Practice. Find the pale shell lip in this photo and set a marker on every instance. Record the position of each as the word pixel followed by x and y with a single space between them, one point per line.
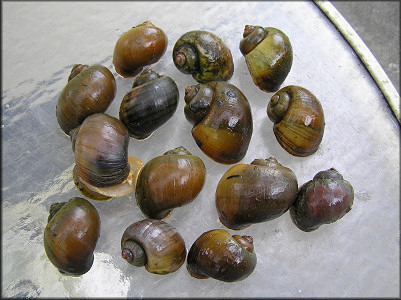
pixel 124 188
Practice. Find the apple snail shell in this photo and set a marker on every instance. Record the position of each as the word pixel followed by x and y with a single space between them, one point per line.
pixel 298 120
pixel 254 193
pixel 154 244
pixel 221 118
pixel 323 200
pixel 203 55
pixel 169 181
pixel 217 254
pixel 71 235
pixel 152 102
pixel 140 46
pixel 268 55
pixel 101 157
pixel 89 90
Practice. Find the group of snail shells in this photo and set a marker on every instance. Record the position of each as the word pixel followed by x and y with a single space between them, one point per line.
pixel 264 190
pixel 222 128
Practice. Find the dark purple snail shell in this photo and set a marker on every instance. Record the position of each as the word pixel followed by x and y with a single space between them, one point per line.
pixel 323 200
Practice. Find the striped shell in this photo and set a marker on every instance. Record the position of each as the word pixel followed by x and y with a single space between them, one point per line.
pixel 154 244
pixel 168 181
pixel 298 120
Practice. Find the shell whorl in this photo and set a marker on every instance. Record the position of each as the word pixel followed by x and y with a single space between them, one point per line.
pixel 278 106
pixel 162 244
pixel 199 100
pixel 203 55
pixel 253 35
pixel 298 129
pixel 186 59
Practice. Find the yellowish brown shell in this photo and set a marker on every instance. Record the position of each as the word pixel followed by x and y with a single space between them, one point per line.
pixel 169 181
pixel 298 120
pixel 221 118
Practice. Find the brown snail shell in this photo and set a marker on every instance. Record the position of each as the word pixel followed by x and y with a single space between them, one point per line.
pixel 71 235
pixel 203 55
pixel 298 120
pixel 323 200
pixel 268 55
pixel 154 244
pixel 219 255
pixel 169 181
pixel 140 46
pixel 89 90
pixel 151 102
pixel 221 118
pixel 101 157
pixel 254 193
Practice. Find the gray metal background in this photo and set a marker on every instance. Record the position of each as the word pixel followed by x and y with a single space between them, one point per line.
pixel 356 256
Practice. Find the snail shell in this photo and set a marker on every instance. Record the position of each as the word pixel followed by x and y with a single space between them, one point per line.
pixel 89 90
pixel 203 55
pixel 221 118
pixel 168 181
pixel 298 120
pixel 254 193
pixel 71 235
pixel 323 200
pixel 140 46
pixel 268 55
pixel 108 192
pixel 152 101
pixel 219 255
pixel 101 157
pixel 154 244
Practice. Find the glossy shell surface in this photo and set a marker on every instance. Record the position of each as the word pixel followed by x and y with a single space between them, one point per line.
pixel 89 90
pixel 268 55
pixel 101 151
pixel 298 120
pixel 169 181
pixel 140 46
pixel 254 193
pixel 222 120
pixel 149 105
pixel 323 200
pixel 163 245
pixel 219 255
pixel 71 235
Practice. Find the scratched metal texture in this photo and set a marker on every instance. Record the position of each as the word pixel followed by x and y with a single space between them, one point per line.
pixel 356 256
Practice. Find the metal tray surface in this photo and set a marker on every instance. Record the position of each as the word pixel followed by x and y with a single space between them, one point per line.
pixel 355 256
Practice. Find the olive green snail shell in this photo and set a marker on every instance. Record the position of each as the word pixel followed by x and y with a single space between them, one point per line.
pixel 268 55
pixel 298 120
pixel 203 55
